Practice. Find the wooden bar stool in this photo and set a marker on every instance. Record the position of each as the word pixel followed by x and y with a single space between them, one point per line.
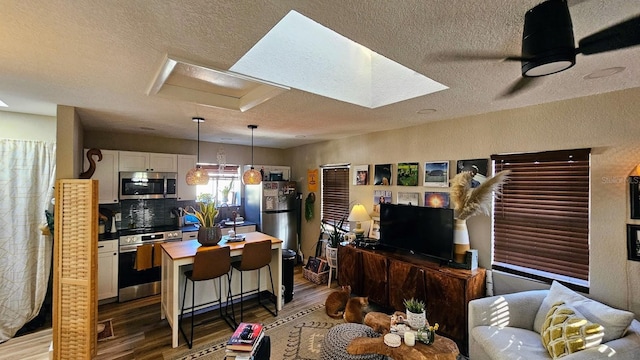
pixel 255 256
pixel 208 264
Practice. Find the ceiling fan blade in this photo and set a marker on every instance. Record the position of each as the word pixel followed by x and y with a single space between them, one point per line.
pixel 619 36
pixel 476 56
pixel 518 86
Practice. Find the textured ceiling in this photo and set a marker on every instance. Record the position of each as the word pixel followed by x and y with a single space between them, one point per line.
pixel 102 56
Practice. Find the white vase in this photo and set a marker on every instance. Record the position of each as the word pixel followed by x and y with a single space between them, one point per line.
pixel 460 240
pixel 416 320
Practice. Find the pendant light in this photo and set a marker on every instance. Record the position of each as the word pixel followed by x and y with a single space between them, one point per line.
pixel 197 175
pixel 252 176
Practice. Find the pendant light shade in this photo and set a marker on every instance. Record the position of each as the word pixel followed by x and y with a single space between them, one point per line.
pixel 197 175
pixel 252 176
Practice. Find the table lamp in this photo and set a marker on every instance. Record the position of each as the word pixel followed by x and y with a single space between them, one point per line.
pixel 358 214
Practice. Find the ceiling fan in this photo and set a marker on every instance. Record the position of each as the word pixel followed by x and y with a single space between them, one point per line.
pixel 548 45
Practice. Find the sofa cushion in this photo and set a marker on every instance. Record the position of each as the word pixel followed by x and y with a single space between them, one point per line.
pixel 565 331
pixel 508 343
pixel 614 321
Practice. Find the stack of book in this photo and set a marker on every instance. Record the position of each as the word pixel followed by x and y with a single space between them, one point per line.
pixel 245 341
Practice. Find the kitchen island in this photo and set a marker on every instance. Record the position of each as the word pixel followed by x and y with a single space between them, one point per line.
pixel 177 257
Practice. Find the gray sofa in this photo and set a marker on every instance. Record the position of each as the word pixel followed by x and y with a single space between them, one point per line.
pixel 508 327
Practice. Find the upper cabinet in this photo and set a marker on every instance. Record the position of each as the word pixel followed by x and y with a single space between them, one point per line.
pixel 271 172
pixel 107 175
pixel 185 163
pixel 142 161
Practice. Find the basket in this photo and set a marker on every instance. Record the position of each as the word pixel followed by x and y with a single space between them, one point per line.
pixel 316 278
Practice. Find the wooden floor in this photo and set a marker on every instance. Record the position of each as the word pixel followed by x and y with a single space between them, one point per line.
pixel 140 334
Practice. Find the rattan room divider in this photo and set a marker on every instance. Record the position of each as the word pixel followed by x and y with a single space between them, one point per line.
pixel 75 310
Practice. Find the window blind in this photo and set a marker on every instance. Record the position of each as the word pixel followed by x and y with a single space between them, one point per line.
pixel 541 220
pixel 335 193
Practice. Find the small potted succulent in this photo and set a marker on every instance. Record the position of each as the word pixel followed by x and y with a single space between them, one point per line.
pixel 416 314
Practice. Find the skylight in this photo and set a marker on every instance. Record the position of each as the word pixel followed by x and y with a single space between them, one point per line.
pixel 300 53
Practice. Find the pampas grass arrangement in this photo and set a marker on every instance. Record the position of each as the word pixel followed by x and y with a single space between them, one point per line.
pixel 468 201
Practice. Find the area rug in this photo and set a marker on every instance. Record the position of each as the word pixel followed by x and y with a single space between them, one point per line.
pixel 295 337
pixel 107 332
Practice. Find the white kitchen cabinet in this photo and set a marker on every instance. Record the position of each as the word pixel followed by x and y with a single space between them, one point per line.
pixel 107 269
pixel 185 163
pixel 143 161
pixel 107 175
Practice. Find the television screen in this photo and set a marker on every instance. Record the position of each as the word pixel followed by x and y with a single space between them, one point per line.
pixel 422 230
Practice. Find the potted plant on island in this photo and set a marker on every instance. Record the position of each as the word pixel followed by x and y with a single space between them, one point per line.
pixel 416 314
pixel 209 233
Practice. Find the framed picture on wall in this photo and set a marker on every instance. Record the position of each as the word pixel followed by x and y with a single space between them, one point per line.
pixel 436 173
pixel 408 174
pixel 382 174
pixel 409 198
pixel 436 199
pixel 361 175
pixel 478 167
pixel 633 242
pixel 634 196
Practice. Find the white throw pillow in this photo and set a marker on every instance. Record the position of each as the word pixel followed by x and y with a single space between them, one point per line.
pixel 614 321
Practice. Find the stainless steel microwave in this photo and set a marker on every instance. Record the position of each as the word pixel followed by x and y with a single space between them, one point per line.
pixel 147 185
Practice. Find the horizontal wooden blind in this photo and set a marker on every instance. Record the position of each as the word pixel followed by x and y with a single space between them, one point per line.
pixel 335 193
pixel 541 220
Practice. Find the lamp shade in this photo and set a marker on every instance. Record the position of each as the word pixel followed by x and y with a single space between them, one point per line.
pixel 358 213
pixel 252 177
pixel 197 176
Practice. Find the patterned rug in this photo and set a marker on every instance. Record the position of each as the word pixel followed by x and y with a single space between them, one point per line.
pixel 296 337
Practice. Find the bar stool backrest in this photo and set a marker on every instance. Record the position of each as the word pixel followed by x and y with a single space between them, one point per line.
pixel 210 263
pixel 255 255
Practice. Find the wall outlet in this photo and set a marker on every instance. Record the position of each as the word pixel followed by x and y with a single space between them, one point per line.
pixel 118 216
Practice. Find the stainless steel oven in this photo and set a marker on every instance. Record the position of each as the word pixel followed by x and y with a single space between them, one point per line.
pixel 135 281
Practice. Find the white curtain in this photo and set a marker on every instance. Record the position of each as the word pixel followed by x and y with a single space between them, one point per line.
pixel 27 177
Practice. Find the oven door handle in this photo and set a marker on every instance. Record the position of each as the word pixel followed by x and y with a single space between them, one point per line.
pixel 129 248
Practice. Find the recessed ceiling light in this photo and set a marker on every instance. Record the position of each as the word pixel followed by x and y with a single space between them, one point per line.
pixel 2 104
pixel 604 72
pixel 426 111
pixel 147 128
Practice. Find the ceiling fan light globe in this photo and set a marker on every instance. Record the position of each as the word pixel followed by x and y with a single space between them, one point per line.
pixel 536 68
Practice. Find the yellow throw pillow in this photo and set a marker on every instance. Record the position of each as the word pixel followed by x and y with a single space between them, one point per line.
pixel 566 331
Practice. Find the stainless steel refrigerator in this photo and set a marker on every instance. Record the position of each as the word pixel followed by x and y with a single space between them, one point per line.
pixel 273 207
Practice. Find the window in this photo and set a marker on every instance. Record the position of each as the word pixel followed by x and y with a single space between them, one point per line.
pixel 541 220
pixel 224 185
pixel 335 194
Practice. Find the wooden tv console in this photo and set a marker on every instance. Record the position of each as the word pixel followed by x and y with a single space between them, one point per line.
pixel 389 277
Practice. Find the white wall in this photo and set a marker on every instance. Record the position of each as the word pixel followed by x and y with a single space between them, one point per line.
pixel 606 123
pixel 18 126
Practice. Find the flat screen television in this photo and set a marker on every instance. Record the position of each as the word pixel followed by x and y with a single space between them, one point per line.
pixel 418 229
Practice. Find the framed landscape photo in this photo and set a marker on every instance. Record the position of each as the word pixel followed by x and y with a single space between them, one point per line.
pixel 633 242
pixel 382 175
pixel 436 199
pixel 436 173
pixel 477 167
pixel 409 198
pixel 361 175
pixel 408 174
